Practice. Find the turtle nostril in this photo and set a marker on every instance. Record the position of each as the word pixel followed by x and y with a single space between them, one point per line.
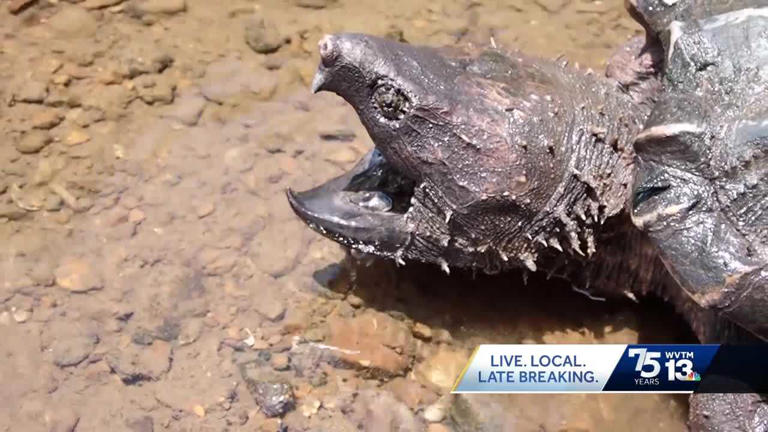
pixel 327 50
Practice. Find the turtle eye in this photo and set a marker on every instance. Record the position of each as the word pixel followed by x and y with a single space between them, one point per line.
pixel 391 101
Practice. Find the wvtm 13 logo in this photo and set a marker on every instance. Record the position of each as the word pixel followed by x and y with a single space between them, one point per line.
pixel 677 365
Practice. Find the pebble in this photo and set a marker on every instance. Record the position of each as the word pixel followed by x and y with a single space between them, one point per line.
pixel 422 331
pixel 552 6
pixel 280 362
pixel 62 420
pixel 99 4
pixel 46 119
pixel 141 424
pixel 315 4
pixel 190 331
pixel 342 156
pixel 86 116
pixel 205 209
pixel 76 137
pixel 441 369
pixel 310 407
pixel 155 90
pixel 277 262
pixel 186 109
pixel 72 351
pixel 32 142
pixel 167 7
pixel 20 315
pixel 435 413
pixel 31 91
pixel 269 302
pixel 263 37
pixel 230 80
pixel 355 301
pixel 16 6
pixel 136 216
pixel 199 410
pixel 410 392
pixel 274 398
pixel 239 159
pixel 78 275
pixel 73 21
pixel 136 363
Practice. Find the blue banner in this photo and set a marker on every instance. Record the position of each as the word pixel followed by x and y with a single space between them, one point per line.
pixel 615 368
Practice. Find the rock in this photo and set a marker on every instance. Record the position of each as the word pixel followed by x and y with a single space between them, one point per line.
pixel 231 80
pixel 198 410
pixel 263 37
pixel 355 301
pixel 99 4
pixel 143 60
pixel 239 159
pixel 435 413
pixel 552 6
pixel 442 368
pixel 341 135
pixel 73 22
pixel 267 297
pixel 422 331
pixel 280 362
pixel 186 109
pixel 166 7
pixel 275 398
pixel 315 4
pixel 190 331
pixel 62 420
pixel 410 392
pixel 31 91
pixel 342 156
pixel 278 261
pixel 16 6
pixel 84 117
pixel 135 363
pixel 20 315
pixel 72 351
pixel 481 413
pixel 76 137
pixel 141 424
pixel 32 142
pixel 375 410
pixel 217 262
pixel 372 341
pixel 46 119
pixel 78 275
pixel 205 209
pixel 167 331
pixel 155 90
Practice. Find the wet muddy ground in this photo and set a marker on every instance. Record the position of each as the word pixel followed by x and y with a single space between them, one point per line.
pixel 153 277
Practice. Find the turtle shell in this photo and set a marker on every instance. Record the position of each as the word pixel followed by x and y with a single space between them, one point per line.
pixel 701 190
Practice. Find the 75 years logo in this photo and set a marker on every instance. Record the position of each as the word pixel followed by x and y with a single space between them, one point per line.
pixel 678 365
pixel 667 368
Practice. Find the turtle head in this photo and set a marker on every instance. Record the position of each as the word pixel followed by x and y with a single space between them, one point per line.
pixel 465 156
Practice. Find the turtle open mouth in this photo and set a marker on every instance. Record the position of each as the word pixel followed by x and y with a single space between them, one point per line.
pixel 364 208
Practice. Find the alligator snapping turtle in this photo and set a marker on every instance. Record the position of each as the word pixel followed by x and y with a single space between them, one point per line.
pixel 492 160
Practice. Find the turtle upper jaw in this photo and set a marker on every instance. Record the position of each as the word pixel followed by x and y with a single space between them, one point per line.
pixel 365 208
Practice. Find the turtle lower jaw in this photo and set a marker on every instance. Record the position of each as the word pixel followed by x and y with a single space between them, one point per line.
pixel 364 209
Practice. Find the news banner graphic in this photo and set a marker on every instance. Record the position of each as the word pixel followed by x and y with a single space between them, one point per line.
pixel 615 369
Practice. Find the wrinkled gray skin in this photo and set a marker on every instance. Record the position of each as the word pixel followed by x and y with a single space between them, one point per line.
pixel 493 160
